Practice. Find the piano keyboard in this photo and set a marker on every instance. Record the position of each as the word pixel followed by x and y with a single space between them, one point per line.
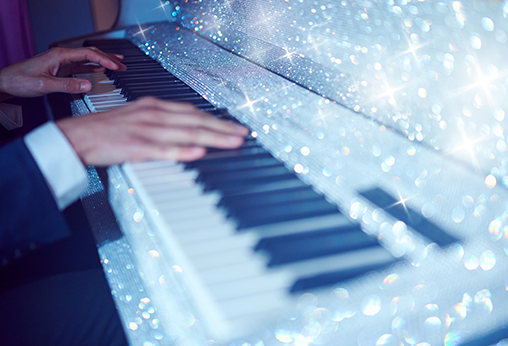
pixel 215 264
pixel 247 230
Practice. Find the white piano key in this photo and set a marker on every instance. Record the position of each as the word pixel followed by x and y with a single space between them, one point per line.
pixel 158 171
pixel 105 109
pixel 149 165
pixel 198 223
pixel 303 225
pixel 106 97
pixel 199 212
pixel 251 286
pixel 244 241
pixel 171 178
pixel 189 202
pixel 232 272
pixel 204 261
pixel 198 235
pixel 175 191
pixel 343 261
pixel 256 303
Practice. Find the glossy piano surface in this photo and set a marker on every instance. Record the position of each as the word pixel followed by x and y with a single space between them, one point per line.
pixel 407 141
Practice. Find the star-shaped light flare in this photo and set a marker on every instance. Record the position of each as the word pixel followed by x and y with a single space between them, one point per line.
pixel 249 104
pixel 468 146
pixel 413 47
pixel 162 6
pixel 141 30
pixel 389 93
pixel 483 82
pixel 403 202
pixel 322 117
pixel 288 55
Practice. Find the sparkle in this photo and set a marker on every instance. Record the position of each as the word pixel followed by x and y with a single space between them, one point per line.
pixel 468 146
pixel 483 81
pixel 250 104
pixel 141 30
pixel 322 117
pixel 389 93
pixel 413 47
pixel 162 6
pixel 289 55
pixel 403 202
pixel 355 86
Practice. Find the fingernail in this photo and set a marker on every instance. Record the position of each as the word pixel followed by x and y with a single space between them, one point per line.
pixel 84 86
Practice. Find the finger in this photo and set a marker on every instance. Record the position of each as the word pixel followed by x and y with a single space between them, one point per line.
pixel 189 136
pixel 87 69
pixel 118 57
pixel 92 54
pixel 177 153
pixel 66 85
pixel 187 115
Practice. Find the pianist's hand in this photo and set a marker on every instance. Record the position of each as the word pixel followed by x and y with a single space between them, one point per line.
pixel 46 73
pixel 149 129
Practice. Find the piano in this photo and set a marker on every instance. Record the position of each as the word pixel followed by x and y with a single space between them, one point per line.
pixel 368 206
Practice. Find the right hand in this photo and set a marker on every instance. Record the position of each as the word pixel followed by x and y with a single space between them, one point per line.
pixel 49 72
pixel 149 129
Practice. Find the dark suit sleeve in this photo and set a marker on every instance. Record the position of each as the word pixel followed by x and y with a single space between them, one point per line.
pixel 29 216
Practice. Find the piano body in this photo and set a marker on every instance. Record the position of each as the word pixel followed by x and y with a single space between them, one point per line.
pixel 374 187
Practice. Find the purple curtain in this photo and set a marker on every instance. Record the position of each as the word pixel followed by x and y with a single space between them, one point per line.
pixel 16 40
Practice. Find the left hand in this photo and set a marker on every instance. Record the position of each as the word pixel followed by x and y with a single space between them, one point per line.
pixel 48 72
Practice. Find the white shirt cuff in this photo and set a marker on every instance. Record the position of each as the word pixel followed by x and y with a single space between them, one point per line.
pixel 64 173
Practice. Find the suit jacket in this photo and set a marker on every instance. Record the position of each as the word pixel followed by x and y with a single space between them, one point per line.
pixel 29 216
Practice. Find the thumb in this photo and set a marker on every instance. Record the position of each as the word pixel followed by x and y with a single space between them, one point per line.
pixel 67 85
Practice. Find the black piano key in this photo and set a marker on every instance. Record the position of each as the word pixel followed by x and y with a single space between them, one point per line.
pixel 268 198
pixel 150 84
pixel 266 187
pixel 137 59
pixel 140 66
pixel 124 81
pixel 240 154
pixel 127 81
pixel 243 186
pixel 241 174
pixel 410 217
pixel 304 246
pixel 168 93
pixel 231 161
pixel 240 165
pixel 282 213
pixel 492 338
pixel 147 71
pixel 331 278
pixel 132 68
pixel 166 86
pixel 248 143
pixel 140 74
pixel 197 102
